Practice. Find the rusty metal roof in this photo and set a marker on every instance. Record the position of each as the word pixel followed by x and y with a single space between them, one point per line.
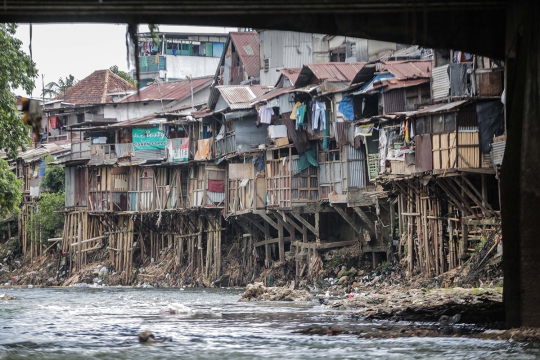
pixel 291 74
pixel 173 90
pixel 403 70
pixel 332 72
pixel 241 96
pixel 393 83
pixel 440 107
pixel 247 46
pixel 272 94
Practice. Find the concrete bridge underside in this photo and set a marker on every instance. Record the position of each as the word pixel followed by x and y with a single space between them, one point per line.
pixel 503 29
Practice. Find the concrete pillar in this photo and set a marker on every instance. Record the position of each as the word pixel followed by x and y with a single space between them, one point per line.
pixel 520 188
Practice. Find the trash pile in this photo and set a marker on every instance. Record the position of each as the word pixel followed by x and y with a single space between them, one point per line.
pixel 258 291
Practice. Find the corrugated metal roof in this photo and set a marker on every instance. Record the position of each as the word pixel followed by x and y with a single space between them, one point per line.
pixel 291 74
pixel 173 90
pixel 393 83
pixel 440 107
pixel 272 94
pixel 241 96
pixel 414 69
pixel 332 72
pixel 247 46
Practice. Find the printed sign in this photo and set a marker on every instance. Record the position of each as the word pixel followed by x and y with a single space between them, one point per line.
pixel 178 150
pixel 148 139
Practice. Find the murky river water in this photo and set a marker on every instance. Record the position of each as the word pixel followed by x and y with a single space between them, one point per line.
pixel 83 323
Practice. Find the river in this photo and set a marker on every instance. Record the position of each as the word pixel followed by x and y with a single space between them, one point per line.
pixel 103 323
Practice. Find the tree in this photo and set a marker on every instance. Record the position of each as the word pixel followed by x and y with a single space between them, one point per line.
pixel 48 221
pixel 10 190
pixel 54 179
pixel 18 70
pixel 55 89
pixel 124 75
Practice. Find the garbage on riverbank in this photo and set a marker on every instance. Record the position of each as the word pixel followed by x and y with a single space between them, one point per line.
pixel 258 291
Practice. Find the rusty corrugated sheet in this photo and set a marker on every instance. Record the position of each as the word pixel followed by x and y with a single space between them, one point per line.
pixel 173 90
pixel 423 155
pixel 273 94
pixel 403 70
pixel 241 96
pixel 247 46
pixel 298 137
pixel 331 72
pixel 291 74
pixel 393 83
pixel 394 101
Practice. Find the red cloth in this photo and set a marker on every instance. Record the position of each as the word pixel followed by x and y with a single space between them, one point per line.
pixel 55 122
pixel 216 186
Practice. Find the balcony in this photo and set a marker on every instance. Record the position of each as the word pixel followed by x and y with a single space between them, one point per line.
pixel 103 153
pixel 80 150
pixel 226 145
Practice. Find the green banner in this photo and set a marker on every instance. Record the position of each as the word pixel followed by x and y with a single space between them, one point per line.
pixel 148 139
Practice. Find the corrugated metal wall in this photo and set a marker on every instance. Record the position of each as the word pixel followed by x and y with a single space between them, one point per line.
pixel 356 166
pixel 440 83
pixel 248 135
pixel 394 101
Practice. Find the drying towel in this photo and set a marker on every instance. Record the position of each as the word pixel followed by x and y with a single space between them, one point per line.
pixel 217 186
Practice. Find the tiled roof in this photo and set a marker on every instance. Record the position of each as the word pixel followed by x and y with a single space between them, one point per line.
pixel 173 90
pixel 247 46
pixel 291 74
pixel 94 88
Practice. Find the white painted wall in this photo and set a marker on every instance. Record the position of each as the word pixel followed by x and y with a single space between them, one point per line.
pixel 131 111
pixel 136 110
pixel 178 67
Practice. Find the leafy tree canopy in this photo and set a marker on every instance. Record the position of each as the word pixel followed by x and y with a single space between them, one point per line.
pixel 10 190
pixel 54 179
pixel 47 221
pixel 124 75
pixel 18 70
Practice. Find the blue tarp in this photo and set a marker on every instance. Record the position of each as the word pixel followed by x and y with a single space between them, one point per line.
pixel 346 108
pixel 369 83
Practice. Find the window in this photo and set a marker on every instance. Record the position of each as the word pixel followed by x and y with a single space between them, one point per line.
pixel 266 65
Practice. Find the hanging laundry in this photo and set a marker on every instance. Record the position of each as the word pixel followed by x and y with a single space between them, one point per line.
pixel 55 122
pixel 217 186
pixel 293 112
pixel 407 138
pixel 144 62
pixel 319 116
pixel 301 114
pixel 265 113
pixel 203 149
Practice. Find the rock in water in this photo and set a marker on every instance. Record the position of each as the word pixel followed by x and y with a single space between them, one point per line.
pixel 146 337
pixel 7 297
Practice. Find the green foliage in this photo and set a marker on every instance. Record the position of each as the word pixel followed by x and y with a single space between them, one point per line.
pixel 17 70
pixel 54 89
pixel 124 75
pixel 10 190
pixel 54 179
pixel 47 222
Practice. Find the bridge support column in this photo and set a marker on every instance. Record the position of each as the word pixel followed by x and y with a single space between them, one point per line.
pixel 520 172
